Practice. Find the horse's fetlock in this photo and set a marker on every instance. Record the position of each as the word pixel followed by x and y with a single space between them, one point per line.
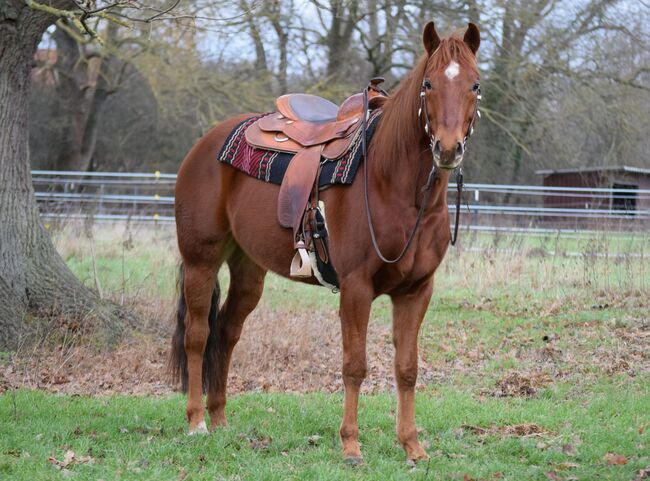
pixel 194 413
pixel 406 435
pixel 347 432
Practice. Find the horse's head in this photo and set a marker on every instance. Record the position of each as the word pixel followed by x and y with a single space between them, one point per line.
pixel 450 92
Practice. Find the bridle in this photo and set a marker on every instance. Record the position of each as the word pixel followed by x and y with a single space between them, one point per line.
pixel 426 84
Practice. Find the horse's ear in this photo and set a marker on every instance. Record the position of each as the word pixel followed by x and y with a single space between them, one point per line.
pixel 430 38
pixel 472 37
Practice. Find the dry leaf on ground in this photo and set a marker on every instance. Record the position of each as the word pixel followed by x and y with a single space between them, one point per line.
pixel 643 474
pixel 519 384
pixel 615 459
pixel 69 458
pixel 517 430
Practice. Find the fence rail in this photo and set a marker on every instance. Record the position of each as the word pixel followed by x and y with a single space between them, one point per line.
pixel 148 197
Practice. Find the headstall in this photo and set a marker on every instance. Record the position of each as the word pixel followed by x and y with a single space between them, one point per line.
pixel 426 84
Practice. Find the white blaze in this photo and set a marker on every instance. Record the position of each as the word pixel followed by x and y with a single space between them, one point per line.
pixel 452 70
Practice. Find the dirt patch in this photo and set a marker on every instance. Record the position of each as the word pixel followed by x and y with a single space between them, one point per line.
pixel 516 430
pixel 278 352
pixel 133 368
pixel 520 384
pixel 300 351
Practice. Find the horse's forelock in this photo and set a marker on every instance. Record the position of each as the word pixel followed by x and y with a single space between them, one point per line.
pixel 451 49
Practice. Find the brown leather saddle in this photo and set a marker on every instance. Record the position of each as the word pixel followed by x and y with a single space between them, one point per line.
pixel 312 128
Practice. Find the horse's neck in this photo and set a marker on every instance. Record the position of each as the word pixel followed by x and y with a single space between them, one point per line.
pixel 403 186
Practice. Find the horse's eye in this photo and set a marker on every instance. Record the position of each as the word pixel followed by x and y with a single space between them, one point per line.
pixel 476 87
pixel 427 85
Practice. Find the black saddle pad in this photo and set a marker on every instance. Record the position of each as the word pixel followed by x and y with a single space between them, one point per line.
pixel 270 166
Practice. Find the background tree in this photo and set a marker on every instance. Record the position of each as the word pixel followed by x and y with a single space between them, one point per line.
pixel 34 280
pixel 548 68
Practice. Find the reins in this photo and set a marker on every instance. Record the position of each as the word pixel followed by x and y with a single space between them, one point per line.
pixel 364 148
pixel 430 179
pixel 459 189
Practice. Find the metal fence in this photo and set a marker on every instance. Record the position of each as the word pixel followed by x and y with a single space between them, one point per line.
pixel 148 197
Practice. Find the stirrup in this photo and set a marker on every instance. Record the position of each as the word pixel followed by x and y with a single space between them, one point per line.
pixel 301 263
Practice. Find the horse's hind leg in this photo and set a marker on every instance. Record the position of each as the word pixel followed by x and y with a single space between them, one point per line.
pixel 199 284
pixel 356 298
pixel 246 286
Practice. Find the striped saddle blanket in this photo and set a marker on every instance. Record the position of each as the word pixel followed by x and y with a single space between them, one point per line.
pixel 270 166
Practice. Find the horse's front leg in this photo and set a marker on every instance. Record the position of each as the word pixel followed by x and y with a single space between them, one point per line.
pixel 356 298
pixel 408 312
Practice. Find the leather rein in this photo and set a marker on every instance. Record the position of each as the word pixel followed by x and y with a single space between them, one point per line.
pixel 373 85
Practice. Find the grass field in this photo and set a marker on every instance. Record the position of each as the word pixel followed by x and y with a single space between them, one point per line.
pixel 535 365
pixel 564 436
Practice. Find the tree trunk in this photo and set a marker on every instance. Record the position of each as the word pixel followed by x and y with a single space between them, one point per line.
pixel 34 279
pixel 85 84
pixel 11 313
pixel 283 40
pixel 339 36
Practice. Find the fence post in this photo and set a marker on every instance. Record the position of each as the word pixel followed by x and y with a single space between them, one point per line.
pixel 101 199
pixel 475 211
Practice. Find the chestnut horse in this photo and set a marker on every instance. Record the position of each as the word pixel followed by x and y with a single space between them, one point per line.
pixel 224 215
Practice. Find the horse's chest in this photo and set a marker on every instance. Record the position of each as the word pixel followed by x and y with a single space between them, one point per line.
pixel 418 265
pixel 426 260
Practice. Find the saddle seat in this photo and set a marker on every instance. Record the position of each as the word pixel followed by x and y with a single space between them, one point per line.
pixel 311 108
pixel 305 120
pixel 307 107
pixel 310 127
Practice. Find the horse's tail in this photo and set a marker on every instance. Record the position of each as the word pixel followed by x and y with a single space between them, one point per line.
pixel 178 356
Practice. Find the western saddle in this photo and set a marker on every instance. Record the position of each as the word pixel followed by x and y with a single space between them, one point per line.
pixel 310 127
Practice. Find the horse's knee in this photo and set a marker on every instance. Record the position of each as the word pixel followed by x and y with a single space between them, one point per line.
pixel 354 372
pixel 406 374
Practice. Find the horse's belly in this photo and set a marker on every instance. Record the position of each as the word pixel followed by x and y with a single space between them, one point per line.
pixel 252 214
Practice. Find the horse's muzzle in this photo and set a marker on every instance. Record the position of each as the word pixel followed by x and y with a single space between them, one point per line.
pixel 448 158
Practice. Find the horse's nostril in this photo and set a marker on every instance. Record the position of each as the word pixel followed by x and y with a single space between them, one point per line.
pixel 437 149
pixel 460 149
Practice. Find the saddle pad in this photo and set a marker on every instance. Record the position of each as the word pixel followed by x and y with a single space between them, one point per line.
pixel 270 166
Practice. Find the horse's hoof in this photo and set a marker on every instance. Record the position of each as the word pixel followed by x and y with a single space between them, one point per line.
pixel 200 428
pixel 417 459
pixel 219 425
pixel 354 460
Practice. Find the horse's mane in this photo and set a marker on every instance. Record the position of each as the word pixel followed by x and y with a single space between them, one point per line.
pixel 400 127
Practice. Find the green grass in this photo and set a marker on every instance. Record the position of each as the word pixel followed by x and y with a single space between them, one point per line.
pixel 581 321
pixel 295 437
